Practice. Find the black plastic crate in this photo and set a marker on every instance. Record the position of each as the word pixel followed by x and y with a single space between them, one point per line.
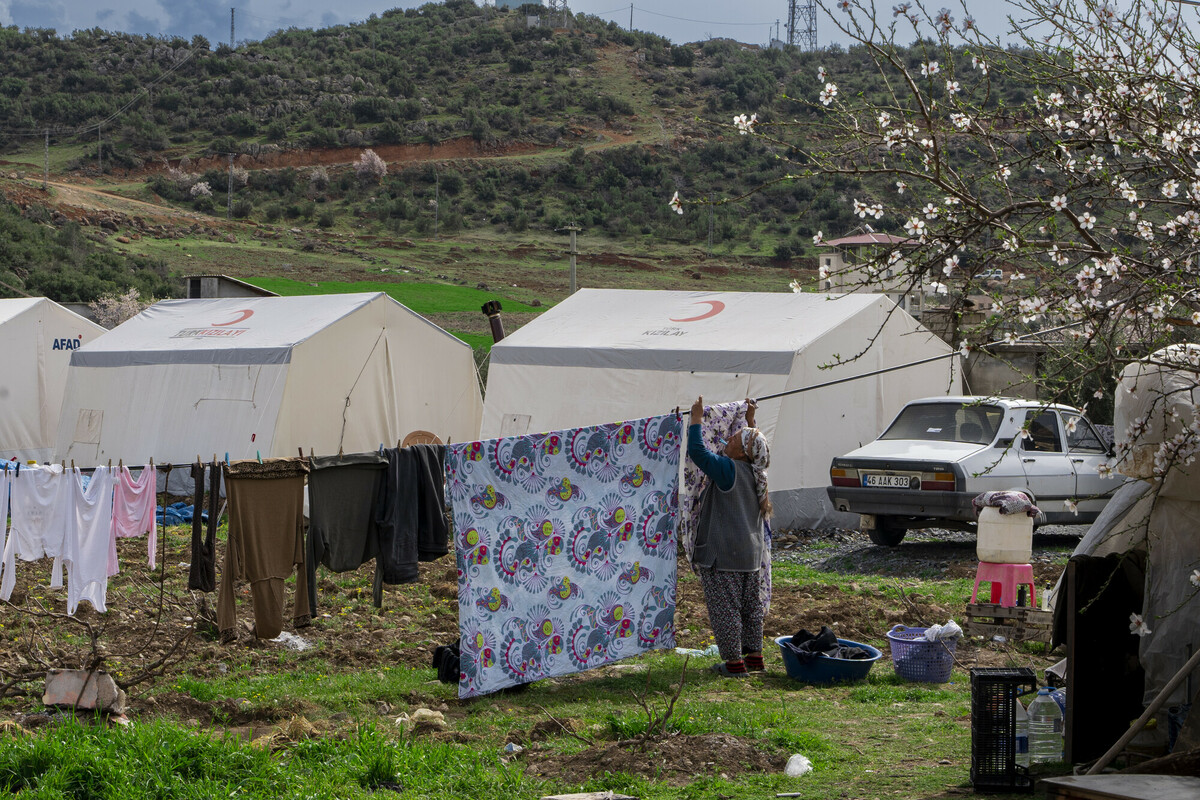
pixel 994 693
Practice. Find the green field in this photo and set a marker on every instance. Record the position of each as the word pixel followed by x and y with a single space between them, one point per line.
pixel 424 298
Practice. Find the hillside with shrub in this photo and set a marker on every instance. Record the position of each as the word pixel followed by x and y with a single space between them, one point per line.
pixel 485 127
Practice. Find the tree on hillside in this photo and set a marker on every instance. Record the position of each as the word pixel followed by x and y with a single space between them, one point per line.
pixel 1086 194
pixel 113 308
pixel 370 168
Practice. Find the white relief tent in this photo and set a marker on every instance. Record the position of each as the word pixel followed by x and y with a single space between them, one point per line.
pixel 264 376
pixel 37 338
pixel 604 355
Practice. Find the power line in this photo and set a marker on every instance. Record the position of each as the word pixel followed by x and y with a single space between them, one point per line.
pixel 678 19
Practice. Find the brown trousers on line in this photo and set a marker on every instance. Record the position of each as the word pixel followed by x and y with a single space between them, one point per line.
pixel 266 544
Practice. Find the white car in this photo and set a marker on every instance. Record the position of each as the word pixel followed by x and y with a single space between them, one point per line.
pixel 940 452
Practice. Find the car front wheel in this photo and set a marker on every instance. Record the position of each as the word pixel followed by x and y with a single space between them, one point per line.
pixel 888 532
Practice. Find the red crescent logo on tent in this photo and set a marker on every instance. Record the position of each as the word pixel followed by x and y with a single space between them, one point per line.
pixel 245 315
pixel 715 307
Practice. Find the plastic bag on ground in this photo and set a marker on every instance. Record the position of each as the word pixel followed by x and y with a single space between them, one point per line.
pixel 797 765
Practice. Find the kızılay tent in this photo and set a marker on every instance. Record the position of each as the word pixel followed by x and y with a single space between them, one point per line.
pixel 37 338
pixel 604 355
pixel 265 376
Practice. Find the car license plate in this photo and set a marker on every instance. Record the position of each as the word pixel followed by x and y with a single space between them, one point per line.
pixel 877 481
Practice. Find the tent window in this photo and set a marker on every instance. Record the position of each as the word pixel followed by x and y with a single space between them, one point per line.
pixel 514 424
pixel 232 382
pixel 88 424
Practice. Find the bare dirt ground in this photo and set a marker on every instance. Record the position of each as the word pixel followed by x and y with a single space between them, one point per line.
pixel 155 629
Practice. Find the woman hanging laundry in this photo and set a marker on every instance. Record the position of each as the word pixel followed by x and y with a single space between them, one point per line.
pixel 729 540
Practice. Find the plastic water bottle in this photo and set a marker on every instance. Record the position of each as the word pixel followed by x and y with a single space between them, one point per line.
pixel 1045 729
pixel 1022 737
pixel 1060 697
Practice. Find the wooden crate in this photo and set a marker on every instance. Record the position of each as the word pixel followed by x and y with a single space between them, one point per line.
pixel 1021 624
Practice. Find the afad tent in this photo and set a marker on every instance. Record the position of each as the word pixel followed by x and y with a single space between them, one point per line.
pixel 265 376
pixel 37 338
pixel 604 355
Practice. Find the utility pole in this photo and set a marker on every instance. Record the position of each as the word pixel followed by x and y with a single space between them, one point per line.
pixel 631 16
pixel 229 196
pixel 573 228
pixel 231 39
pixel 436 208
pixel 46 164
pixel 99 150
pixel 710 224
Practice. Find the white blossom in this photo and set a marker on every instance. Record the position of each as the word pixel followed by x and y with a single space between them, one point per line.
pixel 951 265
pixel 952 87
pixel 818 238
pixel 676 204
pixel 828 93
pixel 1071 506
pixel 745 124
pixel 1138 626
pixel 1087 221
pixel 1058 202
pixel 930 69
pixel 900 187
pixel 1195 577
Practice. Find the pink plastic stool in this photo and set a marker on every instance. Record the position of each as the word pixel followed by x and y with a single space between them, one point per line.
pixel 1005 578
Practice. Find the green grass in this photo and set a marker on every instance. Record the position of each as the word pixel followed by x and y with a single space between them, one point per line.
pixel 157 760
pixel 424 298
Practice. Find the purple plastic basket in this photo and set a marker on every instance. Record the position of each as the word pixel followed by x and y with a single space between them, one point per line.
pixel 914 658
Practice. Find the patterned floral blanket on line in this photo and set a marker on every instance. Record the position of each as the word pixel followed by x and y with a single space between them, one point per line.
pixel 566 549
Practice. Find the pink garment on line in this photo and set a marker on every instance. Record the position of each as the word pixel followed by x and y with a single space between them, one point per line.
pixel 134 505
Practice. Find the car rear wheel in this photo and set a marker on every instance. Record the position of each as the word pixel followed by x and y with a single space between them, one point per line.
pixel 888 532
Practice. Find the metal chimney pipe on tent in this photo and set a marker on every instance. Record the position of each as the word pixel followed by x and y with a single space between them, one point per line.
pixel 492 308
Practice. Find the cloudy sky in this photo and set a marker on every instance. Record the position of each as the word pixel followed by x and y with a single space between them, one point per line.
pixel 679 20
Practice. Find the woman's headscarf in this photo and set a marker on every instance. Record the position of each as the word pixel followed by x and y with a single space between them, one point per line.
pixel 759 455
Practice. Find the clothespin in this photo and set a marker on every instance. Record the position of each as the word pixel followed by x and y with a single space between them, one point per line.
pixel 258 455
pixel 300 450
pixel 72 463
pixel 110 463
pixel 18 469
pixel 339 451
pixel 120 463
pixel 311 454
pixel 381 448
pixel 151 461
pixel 227 458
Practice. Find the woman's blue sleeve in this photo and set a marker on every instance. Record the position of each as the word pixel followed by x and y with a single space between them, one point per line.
pixel 717 467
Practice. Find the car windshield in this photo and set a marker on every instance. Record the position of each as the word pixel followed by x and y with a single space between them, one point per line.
pixel 947 422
